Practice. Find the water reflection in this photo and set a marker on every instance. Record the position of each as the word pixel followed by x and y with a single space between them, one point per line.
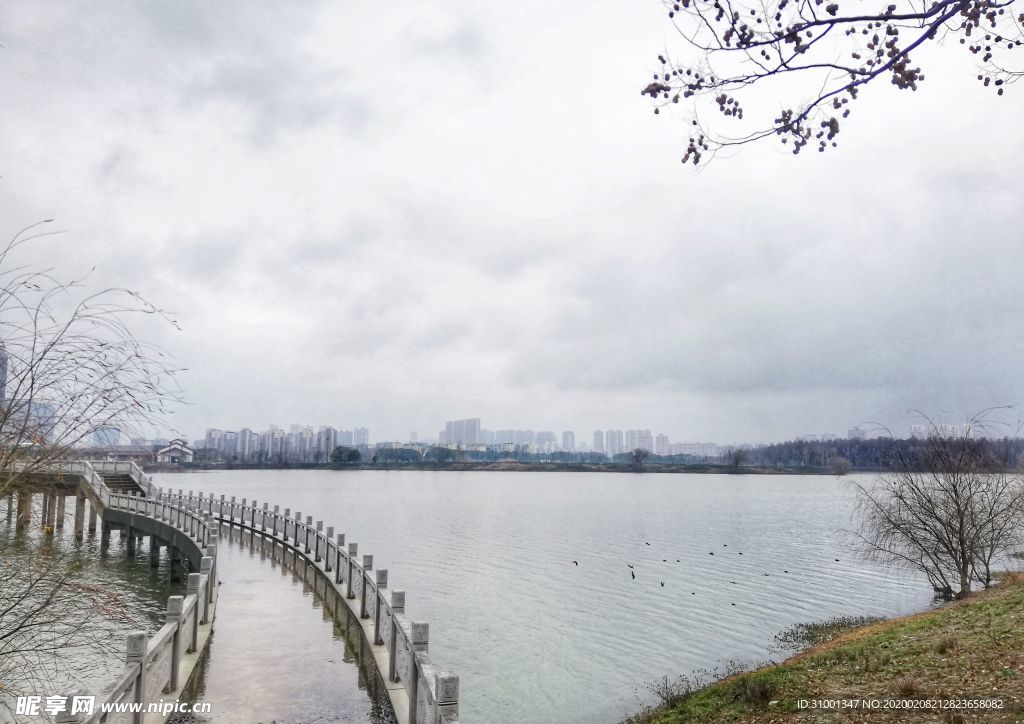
pixel 275 657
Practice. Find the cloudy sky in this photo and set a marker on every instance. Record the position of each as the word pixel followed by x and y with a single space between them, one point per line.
pixel 396 214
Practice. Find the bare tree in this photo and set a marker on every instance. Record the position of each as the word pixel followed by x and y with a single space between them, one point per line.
pixel 70 365
pixel 950 514
pixel 817 56
pixel 638 457
pixel 48 616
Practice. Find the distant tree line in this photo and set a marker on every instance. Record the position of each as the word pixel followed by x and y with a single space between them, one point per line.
pixel 881 453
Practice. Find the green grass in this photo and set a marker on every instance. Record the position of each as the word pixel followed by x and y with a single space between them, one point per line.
pixel 972 649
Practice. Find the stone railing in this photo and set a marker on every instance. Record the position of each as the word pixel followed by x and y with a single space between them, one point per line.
pixel 419 692
pixel 59 468
pixel 158 667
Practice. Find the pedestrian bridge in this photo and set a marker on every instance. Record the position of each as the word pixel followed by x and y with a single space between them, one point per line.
pixel 188 525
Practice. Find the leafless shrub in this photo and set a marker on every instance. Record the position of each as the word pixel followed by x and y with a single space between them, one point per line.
pixel 951 515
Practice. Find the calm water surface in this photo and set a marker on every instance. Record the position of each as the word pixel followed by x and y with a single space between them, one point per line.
pixel 140 603
pixel 487 558
pixel 276 654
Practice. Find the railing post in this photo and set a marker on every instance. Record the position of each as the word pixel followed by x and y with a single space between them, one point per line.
pixel 206 569
pixel 353 548
pixel 367 567
pixel 175 605
pixel 309 528
pixel 138 642
pixel 382 583
pixel 397 608
pixel 328 537
pixel 194 579
pixel 338 555
pixel 446 693
pixel 316 544
pixel 418 642
pixel 263 518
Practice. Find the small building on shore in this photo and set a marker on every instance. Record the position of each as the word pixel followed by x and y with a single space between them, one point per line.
pixel 176 452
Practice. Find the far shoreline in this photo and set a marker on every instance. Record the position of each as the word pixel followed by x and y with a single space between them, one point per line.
pixel 514 466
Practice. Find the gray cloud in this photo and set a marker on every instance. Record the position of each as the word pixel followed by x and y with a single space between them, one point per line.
pixel 394 216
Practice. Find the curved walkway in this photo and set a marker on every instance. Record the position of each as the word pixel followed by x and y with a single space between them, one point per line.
pixel 156 668
pixel 277 654
pixel 419 693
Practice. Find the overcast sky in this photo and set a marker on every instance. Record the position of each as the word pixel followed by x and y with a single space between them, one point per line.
pixel 395 214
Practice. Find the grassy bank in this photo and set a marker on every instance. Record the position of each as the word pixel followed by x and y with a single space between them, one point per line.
pixel 967 650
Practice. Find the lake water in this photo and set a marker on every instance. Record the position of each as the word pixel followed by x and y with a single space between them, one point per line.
pixel 96 655
pixel 487 558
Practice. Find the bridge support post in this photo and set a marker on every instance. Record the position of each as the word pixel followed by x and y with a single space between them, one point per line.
pixel 138 642
pixel 104 536
pixel 174 556
pixel 47 509
pixel 24 509
pixel 131 541
pixel 92 518
pixel 154 552
pixel 80 515
pixel 51 512
pixel 10 508
pixel 61 500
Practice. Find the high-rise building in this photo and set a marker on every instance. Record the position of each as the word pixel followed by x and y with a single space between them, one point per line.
pixel 326 441
pixel 214 439
pixel 462 432
pixel 598 440
pixel 661 444
pixel 361 437
pixel 546 441
pixel 569 441
pixel 248 445
pixel 229 446
pixel 614 442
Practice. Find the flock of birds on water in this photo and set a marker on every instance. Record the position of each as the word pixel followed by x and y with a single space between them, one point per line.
pixel 632 569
